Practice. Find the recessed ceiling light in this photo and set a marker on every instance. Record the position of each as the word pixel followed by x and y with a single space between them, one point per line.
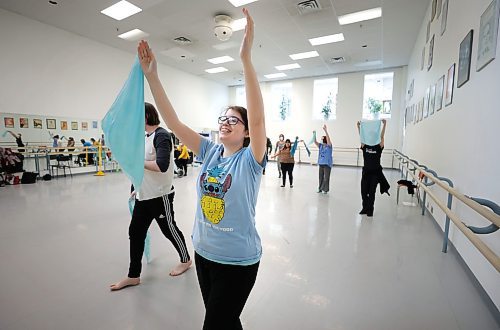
pixel 133 35
pixel 216 70
pixel 327 39
pixel 238 3
pixel 275 75
pixel 219 60
pixel 360 16
pixel 300 56
pixel 287 66
pixel 239 24
pixel 121 10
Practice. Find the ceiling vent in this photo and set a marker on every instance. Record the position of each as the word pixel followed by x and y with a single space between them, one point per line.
pixel 308 6
pixel 183 41
pixel 335 60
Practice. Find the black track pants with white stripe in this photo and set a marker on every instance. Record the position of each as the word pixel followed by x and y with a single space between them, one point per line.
pixel 162 210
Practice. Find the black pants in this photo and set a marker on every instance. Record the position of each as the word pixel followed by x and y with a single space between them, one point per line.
pixel 369 182
pixel 161 209
pixel 225 290
pixel 287 168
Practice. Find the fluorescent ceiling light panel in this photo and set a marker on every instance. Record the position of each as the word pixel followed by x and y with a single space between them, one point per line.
pixel 239 3
pixel 368 63
pixel 121 10
pixel 287 67
pixel 360 16
pixel 133 35
pixel 327 39
pixel 275 75
pixel 219 60
pixel 239 24
pixel 216 70
pixel 300 56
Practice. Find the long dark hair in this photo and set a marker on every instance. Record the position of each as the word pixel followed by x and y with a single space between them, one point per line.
pixel 152 118
pixel 287 141
pixel 244 117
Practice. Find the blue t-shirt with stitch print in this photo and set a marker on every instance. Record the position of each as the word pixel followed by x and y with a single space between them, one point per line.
pixel 224 228
pixel 325 156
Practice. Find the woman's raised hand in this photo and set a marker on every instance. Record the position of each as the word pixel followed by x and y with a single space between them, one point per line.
pixel 147 58
pixel 246 44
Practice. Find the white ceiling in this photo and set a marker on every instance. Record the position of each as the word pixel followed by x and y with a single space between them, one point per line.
pixel 280 31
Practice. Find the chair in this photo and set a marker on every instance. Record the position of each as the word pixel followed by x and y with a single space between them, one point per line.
pixel 63 162
pixel 421 176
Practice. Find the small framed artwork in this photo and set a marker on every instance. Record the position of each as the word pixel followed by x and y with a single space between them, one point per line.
pixel 448 92
pixel 464 57
pixel 432 99
pixel 94 124
pixel 23 122
pixel 488 32
pixel 37 123
pixel 431 53
pixel 8 122
pixel 64 125
pixel 433 13
pixel 51 123
pixel 74 125
pixel 439 93
pixel 422 60
pixel 444 16
pixel 428 35
pixel 85 126
pixel 426 102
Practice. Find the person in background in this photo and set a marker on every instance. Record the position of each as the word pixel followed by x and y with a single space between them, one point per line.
pixel 269 149
pixel 183 158
pixel 279 145
pixel 372 173
pixel 325 160
pixel 19 140
pixel 286 159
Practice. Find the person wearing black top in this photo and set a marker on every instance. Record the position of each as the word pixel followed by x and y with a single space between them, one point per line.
pixel 372 173
pixel 19 140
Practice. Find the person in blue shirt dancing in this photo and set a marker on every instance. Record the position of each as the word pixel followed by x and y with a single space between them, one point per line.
pixel 226 243
pixel 325 160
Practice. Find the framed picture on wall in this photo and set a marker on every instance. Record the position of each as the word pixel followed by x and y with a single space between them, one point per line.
pixel 64 125
pixel 94 124
pixel 37 123
pixel 428 35
pixel 74 125
pixel 432 99
pixel 426 102
pixel 85 126
pixel 422 60
pixel 464 57
pixel 431 53
pixel 23 122
pixel 444 16
pixel 51 123
pixel 488 32
pixel 450 78
pixel 439 93
pixel 8 122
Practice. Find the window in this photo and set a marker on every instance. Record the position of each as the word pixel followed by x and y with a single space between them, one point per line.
pixel 377 96
pixel 281 101
pixel 241 99
pixel 325 99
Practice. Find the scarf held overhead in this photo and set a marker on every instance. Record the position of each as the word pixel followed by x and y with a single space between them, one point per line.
pixel 124 123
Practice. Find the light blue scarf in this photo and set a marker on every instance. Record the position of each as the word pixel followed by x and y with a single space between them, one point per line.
pixel 369 132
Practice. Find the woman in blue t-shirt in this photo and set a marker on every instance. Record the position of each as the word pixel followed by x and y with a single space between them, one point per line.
pixel 226 243
pixel 325 160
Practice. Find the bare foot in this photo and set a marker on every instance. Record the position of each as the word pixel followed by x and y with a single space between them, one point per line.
pixel 180 268
pixel 124 283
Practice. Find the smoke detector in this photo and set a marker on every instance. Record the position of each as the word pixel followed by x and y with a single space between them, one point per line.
pixel 222 29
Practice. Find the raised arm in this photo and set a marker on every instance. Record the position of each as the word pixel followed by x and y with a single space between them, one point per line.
pixel 358 124
pixel 13 135
pixel 328 140
pixel 148 63
pixel 315 140
pixel 256 120
pixel 382 134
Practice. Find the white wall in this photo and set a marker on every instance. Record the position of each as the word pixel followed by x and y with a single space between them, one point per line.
pixel 349 110
pixel 48 71
pixel 461 141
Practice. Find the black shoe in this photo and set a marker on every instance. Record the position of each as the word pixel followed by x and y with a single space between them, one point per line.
pixel 282 185
pixel 279 177
pixel 363 211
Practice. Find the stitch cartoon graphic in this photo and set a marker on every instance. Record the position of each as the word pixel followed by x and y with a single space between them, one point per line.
pixel 212 202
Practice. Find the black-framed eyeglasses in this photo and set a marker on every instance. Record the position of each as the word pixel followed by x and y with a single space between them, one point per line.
pixel 231 120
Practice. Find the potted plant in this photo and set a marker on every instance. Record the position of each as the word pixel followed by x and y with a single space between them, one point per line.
pixel 327 108
pixel 374 106
pixel 284 106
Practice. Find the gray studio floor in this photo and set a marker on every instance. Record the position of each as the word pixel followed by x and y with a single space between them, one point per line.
pixel 324 266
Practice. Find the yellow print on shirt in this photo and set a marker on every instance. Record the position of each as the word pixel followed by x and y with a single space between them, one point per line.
pixel 212 202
